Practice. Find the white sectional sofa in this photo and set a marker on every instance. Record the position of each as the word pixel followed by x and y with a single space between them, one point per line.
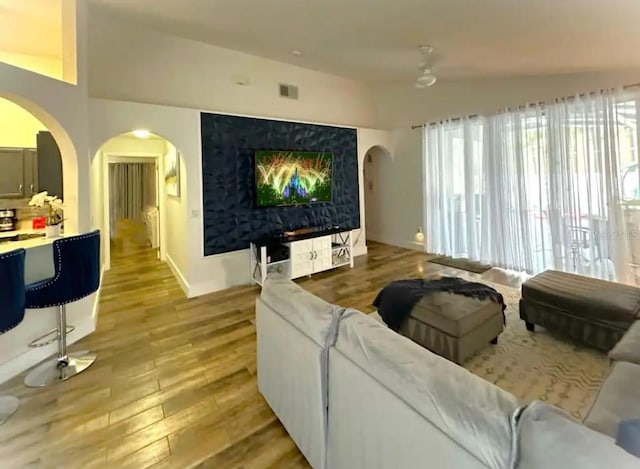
pixel 353 394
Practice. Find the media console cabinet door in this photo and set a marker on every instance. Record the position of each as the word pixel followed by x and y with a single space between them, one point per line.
pixel 322 254
pixel 301 254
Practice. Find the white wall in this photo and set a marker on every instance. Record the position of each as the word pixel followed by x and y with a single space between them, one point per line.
pixel 135 64
pixel 176 216
pixel 126 145
pixel 181 127
pixel 18 127
pixel 399 191
pixel 62 108
pixel 97 203
pixel 367 139
pixel 399 106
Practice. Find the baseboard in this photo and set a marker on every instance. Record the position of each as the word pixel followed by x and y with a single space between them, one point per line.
pixel 211 286
pixel 178 275
pixel 388 239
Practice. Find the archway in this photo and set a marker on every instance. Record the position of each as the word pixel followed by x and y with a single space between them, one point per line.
pixel 136 184
pixel 377 160
pixel 37 155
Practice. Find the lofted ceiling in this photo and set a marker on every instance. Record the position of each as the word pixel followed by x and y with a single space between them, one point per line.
pixel 31 27
pixel 376 40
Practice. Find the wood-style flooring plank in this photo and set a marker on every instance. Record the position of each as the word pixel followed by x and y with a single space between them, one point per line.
pixel 175 381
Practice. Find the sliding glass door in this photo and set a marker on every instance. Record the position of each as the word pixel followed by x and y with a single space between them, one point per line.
pixel 536 188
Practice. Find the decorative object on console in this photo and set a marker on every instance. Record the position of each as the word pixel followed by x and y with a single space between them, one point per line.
pixel 231 216
pixel 55 218
pixel 293 177
pixel 172 173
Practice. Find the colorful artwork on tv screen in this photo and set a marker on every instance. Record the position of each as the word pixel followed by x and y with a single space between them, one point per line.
pixel 293 177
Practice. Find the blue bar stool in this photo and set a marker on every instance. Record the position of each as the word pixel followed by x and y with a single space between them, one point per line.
pixel 11 310
pixel 77 274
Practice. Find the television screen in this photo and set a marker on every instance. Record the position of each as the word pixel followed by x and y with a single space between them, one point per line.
pixel 293 177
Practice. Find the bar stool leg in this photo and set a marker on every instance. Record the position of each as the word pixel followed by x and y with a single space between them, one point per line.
pixel 62 367
pixel 8 407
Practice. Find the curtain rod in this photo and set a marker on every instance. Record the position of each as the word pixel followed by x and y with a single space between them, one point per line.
pixel 472 116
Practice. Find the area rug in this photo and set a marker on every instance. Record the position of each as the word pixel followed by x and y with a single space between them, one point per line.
pixel 461 263
pixel 539 365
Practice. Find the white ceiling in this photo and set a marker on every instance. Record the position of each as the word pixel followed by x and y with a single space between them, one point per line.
pixel 32 27
pixel 376 40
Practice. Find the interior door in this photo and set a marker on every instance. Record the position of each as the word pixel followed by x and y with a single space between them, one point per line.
pixel 322 254
pixel 301 256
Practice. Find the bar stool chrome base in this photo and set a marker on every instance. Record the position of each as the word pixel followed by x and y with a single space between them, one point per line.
pixel 8 407
pixel 55 370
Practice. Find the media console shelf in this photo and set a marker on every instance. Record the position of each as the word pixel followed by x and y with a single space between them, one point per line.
pixel 302 253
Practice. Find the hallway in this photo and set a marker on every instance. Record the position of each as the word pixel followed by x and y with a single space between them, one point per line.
pixel 175 380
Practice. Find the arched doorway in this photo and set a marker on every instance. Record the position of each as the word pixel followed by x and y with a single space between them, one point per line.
pixel 377 161
pixel 36 155
pixel 137 180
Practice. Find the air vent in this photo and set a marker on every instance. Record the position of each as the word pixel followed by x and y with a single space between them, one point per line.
pixel 288 91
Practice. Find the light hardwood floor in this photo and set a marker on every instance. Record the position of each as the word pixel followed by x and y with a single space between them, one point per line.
pixel 175 380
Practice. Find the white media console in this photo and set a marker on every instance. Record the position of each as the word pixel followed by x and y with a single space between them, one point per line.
pixel 308 253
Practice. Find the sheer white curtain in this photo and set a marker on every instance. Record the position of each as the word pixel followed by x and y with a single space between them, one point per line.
pixel 541 190
pixel 453 162
pixel 132 187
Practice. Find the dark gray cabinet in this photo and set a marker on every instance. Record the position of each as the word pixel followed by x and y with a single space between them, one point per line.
pixel 49 165
pixel 27 171
pixel 18 172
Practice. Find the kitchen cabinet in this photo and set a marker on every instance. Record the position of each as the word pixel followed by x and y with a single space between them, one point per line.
pixel 18 172
pixel 49 165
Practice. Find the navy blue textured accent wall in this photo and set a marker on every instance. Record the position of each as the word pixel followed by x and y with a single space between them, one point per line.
pixel 229 143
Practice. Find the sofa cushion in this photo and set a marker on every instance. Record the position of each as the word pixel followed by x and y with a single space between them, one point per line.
pixel 628 349
pixel 456 315
pixel 611 303
pixel 618 399
pixel 548 437
pixel 471 411
pixel 309 314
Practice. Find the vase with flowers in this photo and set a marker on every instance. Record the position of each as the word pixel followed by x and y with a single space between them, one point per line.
pixel 55 217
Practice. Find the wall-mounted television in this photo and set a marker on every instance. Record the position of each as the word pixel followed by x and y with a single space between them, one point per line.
pixel 293 177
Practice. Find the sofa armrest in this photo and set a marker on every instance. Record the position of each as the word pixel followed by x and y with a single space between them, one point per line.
pixel 628 349
pixel 549 437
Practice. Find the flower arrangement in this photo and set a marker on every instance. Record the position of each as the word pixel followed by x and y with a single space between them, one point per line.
pixel 53 203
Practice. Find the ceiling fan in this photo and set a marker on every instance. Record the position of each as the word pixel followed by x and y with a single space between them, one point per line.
pixel 426 77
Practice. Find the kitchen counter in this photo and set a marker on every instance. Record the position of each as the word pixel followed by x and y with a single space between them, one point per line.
pixel 26 244
pixel 11 234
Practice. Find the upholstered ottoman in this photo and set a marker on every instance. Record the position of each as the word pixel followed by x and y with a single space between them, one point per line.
pixel 590 310
pixel 453 326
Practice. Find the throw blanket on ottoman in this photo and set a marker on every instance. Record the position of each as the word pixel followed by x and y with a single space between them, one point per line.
pixel 396 300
